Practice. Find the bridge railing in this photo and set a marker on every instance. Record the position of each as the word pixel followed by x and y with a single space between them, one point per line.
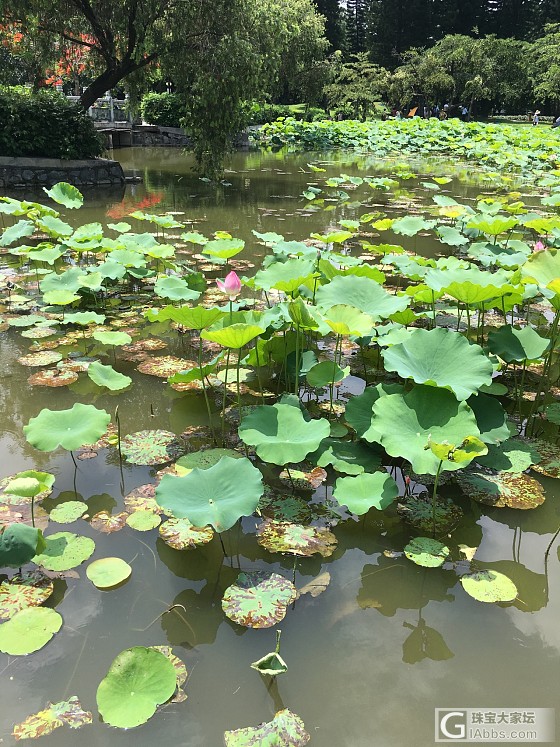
pixel 108 109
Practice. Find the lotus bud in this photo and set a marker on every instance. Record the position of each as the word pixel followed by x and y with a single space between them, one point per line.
pixel 231 285
pixel 539 247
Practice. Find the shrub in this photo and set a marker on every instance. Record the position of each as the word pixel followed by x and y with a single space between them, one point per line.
pixel 259 114
pixel 165 109
pixel 45 125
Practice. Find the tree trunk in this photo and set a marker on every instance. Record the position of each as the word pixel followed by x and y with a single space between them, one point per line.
pixel 103 83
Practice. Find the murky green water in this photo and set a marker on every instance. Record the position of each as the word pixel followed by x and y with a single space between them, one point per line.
pixel 370 657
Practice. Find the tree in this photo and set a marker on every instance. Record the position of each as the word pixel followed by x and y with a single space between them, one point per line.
pixel 544 61
pixel 358 84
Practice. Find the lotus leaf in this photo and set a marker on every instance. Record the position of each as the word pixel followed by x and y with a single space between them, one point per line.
pixel 143 520
pixel 65 194
pixel 206 458
pixel 366 491
pixel 403 424
pixel 363 294
pixel 9 486
pixel 544 268
pixel 324 373
pixel 111 338
pixel 348 457
pixel 53 377
pixel 107 376
pixel 410 225
pixel 491 418
pixel 258 599
pixel 429 553
pixel 82 424
pixel 501 489
pixel 513 455
pixel 219 495
pixel 107 572
pixel 151 447
pixel 359 409
pixel 104 522
pixel 442 358
pixel 175 289
pixel 64 550
pixel 19 230
pixel 512 344
pixel 489 586
pixel 284 507
pixel 549 462
pixel 29 630
pixel 285 276
pixel 44 358
pixel 417 510
pixel 19 543
pixel 181 534
pixel 66 513
pixel 28 590
pixel 271 664
pixel 234 336
pixel 180 672
pixel 347 320
pixel 283 536
pixel 69 712
pixel 138 680
pixel 280 433
pixel 165 366
pixel 285 730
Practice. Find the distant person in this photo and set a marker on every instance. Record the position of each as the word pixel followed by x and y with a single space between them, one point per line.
pixel 465 114
pixel 398 114
pixel 556 122
pixel 443 114
pixel 536 118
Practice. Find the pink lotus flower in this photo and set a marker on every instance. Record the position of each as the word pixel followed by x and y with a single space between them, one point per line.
pixel 231 285
pixel 539 247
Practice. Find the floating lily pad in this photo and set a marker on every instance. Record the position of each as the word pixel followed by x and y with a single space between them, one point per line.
pixel 180 534
pixel 28 590
pixel 44 358
pixel 301 479
pixel 152 447
pixel 206 458
pixel 549 462
pixel 258 599
pixel 285 730
pixel 64 550
pixel 53 377
pixel 164 366
pixel 71 429
pixel 417 510
pixel 284 507
pixel 138 680
pixel 426 552
pixel 368 490
pixel 108 523
pixel 67 712
pixel 143 520
pixel 283 536
pixel 66 513
pixel 489 586
pixel 107 572
pixel 180 671
pixel 142 498
pixel 29 630
pixel 149 344
pixel 501 489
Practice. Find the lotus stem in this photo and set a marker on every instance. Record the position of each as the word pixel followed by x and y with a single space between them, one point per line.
pixel 224 399
pixel 118 424
pixel 205 392
pixel 434 495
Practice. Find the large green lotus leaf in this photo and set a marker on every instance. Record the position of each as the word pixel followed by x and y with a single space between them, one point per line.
pixel 107 572
pixel 223 248
pixel 180 672
pixel 324 373
pixel 469 286
pixel 111 338
pixel 181 534
pixel 364 294
pixel 68 512
pixel 28 590
pixel 491 418
pixel 280 433
pixel 82 424
pixel 410 225
pixel 489 586
pixel 442 358
pixel 175 289
pixel 368 490
pixel 285 276
pixel 108 377
pixel 152 447
pixel 513 455
pixel 403 425
pixel 18 231
pixel 219 495
pixel 427 552
pixel 234 336
pixel 347 320
pixel 54 226
pixel 66 194
pixel 544 268
pixel 300 314
pixel 285 730
pixel 69 280
pixel 348 457
pixel 197 317
pixel 512 344
pixel 492 225
pixel 258 599
pixel 67 712
pixel 22 491
pixel 138 680
pixel 29 630
pixel 451 236
pixel 549 462
pixel 359 409
pixel 19 543
pixel 64 550
pixel 206 458
pixel 501 489
pixel 284 536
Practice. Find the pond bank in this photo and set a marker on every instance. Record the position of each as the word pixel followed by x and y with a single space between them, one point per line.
pixel 21 173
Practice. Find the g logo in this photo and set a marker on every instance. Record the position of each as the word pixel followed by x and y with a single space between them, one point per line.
pixel 451 725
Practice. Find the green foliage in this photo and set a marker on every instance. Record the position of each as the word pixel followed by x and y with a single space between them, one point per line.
pixel 165 109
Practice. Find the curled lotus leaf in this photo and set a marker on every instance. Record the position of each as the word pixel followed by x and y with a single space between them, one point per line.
pixel 306 479
pixel 65 194
pixel 142 498
pixel 442 358
pixel 138 680
pixel 152 447
pixel 181 534
pixel 285 730
pixel 71 429
pixel 258 599
pixel 143 520
pixel 107 376
pixel 67 512
pixel 19 543
pixel 489 586
pixel 180 670
pixel 53 377
pixel 108 523
pixel 363 294
pixel 45 478
pixel 549 462
pixel 283 536
pixel 29 630
pixel 107 572
pixel 365 491
pixel 28 590
pixel 427 552
pixel 417 511
pixel 164 366
pixel 272 664
pixel 64 550
pixel 44 358
pixel 501 489
pixel 67 712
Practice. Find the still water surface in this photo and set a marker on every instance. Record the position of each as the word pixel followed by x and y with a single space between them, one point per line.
pixel 372 656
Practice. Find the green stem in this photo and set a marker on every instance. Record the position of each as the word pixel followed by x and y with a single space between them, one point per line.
pixel 204 391
pixel 296 388
pixel 224 399
pixel 434 494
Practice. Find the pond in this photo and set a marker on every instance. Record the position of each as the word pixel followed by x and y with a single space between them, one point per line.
pixel 374 643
